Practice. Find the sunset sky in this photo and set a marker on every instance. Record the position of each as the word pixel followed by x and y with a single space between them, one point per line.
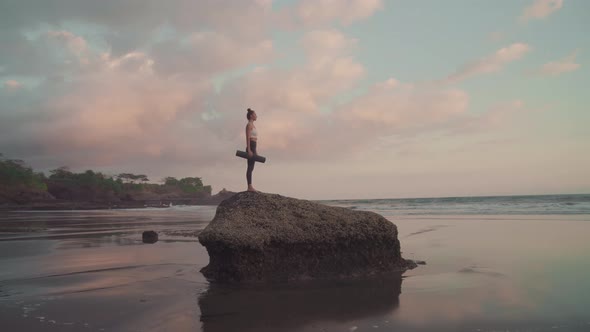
pixel 355 98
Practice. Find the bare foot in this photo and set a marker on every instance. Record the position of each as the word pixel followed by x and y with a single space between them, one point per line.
pixel 250 188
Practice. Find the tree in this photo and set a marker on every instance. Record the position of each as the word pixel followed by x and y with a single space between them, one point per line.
pixel 143 178
pixel 208 189
pixel 191 181
pixel 62 172
pixel 125 177
pixel 171 181
pixel 16 172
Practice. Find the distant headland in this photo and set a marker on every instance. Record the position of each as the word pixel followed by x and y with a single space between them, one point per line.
pixel 21 188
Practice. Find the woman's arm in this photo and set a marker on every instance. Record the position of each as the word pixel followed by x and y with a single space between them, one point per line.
pixel 248 130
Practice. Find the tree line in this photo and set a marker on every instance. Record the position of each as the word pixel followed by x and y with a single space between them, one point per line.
pixel 16 173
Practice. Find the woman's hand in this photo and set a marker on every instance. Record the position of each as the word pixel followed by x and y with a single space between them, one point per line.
pixel 250 154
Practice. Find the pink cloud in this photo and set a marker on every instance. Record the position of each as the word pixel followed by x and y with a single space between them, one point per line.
pixel 211 52
pixel 12 84
pixel 327 43
pixel 330 69
pixel 121 110
pixel 75 43
pixel 496 117
pixel 323 13
pixel 155 104
pixel 313 12
pixel 387 108
pixel 563 65
pixel 541 9
pixel 289 101
pixel 392 106
pixel 491 63
pixel 137 62
pixel 111 109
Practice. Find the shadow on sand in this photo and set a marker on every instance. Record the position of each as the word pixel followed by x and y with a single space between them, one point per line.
pixel 293 307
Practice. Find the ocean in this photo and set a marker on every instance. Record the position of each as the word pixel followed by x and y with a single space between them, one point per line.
pixel 488 205
pixel 506 263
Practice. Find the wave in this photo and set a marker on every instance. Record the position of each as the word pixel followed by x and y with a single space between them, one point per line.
pixel 526 205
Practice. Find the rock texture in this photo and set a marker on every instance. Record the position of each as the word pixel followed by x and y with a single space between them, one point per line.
pixel 257 237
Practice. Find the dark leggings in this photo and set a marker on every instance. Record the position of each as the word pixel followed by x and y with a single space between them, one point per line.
pixel 250 162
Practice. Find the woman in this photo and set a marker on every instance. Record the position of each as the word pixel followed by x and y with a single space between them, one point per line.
pixel 251 138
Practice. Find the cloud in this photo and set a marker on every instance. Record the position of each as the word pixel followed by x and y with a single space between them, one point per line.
pixel 495 117
pixel 120 110
pixel 113 109
pixel 123 109
pixel 289 101
pixel 129 110
pixel 296 131
pixel 492 63
pixel 312 12
pixel 326 43
pixel 392 106
pixel 162 28
pixel 246 19
pixel 320 13
pixel 12 84
pixel 563 65
pixel 209 52
pixel 113 94
pixel 75 43
pixel 110 92
pixel 131 62
pixel 540 9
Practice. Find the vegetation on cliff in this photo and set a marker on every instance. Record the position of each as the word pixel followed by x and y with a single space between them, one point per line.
pixel 20 184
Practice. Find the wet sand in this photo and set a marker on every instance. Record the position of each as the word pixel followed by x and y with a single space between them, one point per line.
pixel 89 271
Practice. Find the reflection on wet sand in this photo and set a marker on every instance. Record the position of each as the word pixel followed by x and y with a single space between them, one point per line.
pixel 293 307
pixel 89 271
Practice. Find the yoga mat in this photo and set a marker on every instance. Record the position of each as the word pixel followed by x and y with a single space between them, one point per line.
pixel 244 154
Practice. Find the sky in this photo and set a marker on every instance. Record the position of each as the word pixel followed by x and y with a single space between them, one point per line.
pixel 355 99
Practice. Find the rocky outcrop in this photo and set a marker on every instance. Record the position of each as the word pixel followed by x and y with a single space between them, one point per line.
pixel 222 195
pixel 258 237
pixel 149 237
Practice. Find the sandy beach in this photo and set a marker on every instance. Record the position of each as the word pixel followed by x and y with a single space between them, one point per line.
pixel 90 271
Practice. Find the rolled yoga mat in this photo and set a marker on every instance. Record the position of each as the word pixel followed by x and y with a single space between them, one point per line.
pixel 244 154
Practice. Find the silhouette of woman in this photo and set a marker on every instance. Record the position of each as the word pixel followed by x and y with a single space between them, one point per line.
pixel 251 138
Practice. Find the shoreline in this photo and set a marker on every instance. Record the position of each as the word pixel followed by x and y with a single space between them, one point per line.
pixel 69 205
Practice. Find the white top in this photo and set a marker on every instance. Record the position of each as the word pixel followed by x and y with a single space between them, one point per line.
pixel 254 133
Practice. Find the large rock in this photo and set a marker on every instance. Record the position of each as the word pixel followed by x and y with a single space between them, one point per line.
pixel 269 237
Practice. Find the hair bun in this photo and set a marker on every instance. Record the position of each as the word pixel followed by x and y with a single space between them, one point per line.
pixel 249 110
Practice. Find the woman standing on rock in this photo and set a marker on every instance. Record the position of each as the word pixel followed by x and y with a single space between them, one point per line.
pixel 251 138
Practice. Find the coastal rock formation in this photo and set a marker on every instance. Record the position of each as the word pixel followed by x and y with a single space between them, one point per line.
pixel 257 237
pixel 222 195
pixel 149 237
